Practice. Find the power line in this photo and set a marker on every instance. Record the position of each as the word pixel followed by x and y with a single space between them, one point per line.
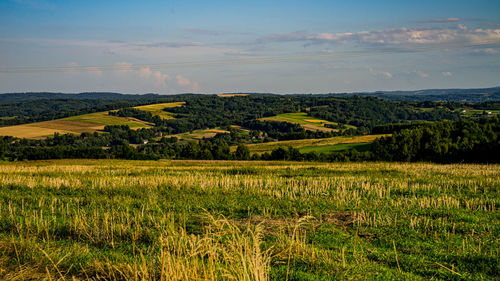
pixel 255 60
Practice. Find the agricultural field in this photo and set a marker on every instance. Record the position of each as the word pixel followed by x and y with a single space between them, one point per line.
pixel 361 147
pixel 231 95
pixel 216 220
pixel 478 112
pixel 157 109
pixel 307 122
pixel 201 134
pixel 91 122
pixel 318 145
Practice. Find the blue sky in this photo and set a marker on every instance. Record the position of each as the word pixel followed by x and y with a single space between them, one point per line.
pixel 247 46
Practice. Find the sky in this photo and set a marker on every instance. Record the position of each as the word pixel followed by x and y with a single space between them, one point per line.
pixel 292 46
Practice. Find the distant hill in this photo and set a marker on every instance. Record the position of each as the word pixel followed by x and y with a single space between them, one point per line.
pixel 17 97
pixel 458 95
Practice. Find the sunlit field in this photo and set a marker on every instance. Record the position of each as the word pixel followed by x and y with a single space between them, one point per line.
pixel 209 220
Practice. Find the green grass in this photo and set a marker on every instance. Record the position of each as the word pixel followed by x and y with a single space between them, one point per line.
pixel 103 118
pixel 313 144
pixel 337 147
pixel 307 122
pixel 301 118
pixel 216 220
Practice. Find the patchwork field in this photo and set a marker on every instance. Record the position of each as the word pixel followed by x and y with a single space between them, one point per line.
pixel 210 220
pixel 319 145
pixel 71 125
pixel 307 122
pixel 157 109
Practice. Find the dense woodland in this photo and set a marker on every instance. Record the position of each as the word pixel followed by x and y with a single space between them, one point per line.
pixel 420 132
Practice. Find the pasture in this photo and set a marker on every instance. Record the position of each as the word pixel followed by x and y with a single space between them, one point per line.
pixel 216 220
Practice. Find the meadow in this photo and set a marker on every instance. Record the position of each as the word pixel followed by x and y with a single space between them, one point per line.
pixel 223 220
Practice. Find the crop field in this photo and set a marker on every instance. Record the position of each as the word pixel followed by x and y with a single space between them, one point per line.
pixel 362 146
pixel 307 145
pixel 231 95
pixel 216 220
pixel 157 109
pixel 307 122
pixel 71 125
pixel 200 134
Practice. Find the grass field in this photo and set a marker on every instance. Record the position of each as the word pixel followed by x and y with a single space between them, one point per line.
pixel 207 220
pixel 307 122
pixel 157 109
pixel 362 146
pixel 71 125
pixel 319 145
pixel 200 134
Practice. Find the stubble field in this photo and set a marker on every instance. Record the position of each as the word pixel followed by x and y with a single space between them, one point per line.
pixel 216 220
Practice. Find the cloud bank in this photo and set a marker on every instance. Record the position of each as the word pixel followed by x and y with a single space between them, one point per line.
pixel 395 36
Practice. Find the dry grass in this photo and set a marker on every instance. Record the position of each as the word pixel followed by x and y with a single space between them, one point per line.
pixel 223 220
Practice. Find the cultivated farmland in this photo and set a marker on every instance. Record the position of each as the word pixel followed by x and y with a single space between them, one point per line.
pixel 308 145
pixel 215 220
pixel 307 122
pixel 157 109
pixel 91 122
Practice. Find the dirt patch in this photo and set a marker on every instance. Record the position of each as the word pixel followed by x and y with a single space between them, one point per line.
pixel 341 218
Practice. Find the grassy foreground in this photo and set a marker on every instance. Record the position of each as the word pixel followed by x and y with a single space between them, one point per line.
pixel 208 220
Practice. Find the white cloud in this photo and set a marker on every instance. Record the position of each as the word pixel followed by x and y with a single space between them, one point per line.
pixel 161 78
pixel 447 74
pixel 394 36
pixel 445 20
pixel 196 87
pixel 182 81
pixel 122 67
pixel 421 74
pixel 187 84
pixel 383 74
pixel 145 72
pixel 486 51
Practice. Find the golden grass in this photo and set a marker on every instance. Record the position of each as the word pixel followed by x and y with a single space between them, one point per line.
pixel 157 109
pixel 231 95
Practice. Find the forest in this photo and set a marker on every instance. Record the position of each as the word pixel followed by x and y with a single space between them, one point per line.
pixel 421 131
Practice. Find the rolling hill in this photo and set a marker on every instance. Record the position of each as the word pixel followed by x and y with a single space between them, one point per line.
pixel 318 145
pixel 91 122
